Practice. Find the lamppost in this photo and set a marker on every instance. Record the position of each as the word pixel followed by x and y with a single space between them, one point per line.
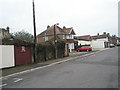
pixel 55 40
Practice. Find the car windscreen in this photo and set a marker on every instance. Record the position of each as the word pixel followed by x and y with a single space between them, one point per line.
pixel 85 47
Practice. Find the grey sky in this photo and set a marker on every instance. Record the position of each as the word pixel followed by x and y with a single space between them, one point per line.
pixel 85 16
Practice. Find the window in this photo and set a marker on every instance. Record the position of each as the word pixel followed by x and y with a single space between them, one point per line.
pixel 46 37
pixel 63 36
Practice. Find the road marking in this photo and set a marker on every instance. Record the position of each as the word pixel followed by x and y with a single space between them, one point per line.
pixel 3 85
pixel 18 79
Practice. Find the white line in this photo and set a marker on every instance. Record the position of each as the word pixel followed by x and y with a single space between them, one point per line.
pixel 3 85
pixel 18 80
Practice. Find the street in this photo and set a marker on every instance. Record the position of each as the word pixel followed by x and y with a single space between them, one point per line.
pixel 99 70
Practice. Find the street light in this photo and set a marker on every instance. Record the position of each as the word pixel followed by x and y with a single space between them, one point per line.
pixel 55 40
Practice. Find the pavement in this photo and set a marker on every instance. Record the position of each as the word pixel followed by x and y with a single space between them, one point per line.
pixel 17 69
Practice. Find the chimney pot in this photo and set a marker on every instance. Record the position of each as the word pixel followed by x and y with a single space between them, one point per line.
pixel 64 27
pixel 48 26
pixel 104 33
pixel 8 29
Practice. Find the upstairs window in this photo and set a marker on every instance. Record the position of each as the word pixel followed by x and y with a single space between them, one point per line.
pixel 63 36
pixel 69 36
pixel 46 37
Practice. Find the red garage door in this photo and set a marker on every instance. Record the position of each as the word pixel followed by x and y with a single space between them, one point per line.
pixel 22 55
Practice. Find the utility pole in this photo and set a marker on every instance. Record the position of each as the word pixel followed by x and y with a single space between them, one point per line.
pixel 34 25
pixel 55 40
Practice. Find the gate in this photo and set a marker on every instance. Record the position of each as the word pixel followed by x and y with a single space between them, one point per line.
pixel 22 55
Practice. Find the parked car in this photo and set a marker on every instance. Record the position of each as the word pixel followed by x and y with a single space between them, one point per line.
pixel 84 48
pixel 112 45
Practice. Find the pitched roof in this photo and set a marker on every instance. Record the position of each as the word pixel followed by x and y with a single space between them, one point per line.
pixel 12 40
pixel 69 30
pixel 118 38
pixel 50 31
pixel 85 37
pixel 99 36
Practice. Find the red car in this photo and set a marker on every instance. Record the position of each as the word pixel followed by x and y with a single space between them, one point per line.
pixel 84 48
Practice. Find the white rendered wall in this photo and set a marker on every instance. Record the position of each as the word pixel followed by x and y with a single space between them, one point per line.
pixel 71 46
pixel 6 56
pixel 97 44
pixel 84 42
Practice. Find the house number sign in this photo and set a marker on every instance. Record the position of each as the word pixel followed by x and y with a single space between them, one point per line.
pixel 23 49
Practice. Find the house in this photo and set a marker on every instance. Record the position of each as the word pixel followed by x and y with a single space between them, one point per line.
pixel 84 40
pixel 100 41
pixel 64 33
pixel 118 41
pixel 113 40
pixel 104 40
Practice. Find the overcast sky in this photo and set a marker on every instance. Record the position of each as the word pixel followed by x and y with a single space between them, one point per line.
pixel 87 17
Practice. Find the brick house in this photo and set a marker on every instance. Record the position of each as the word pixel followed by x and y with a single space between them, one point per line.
pixel 64 33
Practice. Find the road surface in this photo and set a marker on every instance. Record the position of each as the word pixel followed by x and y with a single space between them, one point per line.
pixel 99 70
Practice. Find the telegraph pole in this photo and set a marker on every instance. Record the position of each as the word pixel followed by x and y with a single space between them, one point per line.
pixel 55 40
pixel 34 25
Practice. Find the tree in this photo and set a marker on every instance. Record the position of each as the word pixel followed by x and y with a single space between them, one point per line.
pixel 23 35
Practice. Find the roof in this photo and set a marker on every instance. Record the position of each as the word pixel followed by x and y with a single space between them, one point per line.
pixel 69 30
pixel 118 38
pixel 99 36
pixel 58 30
pixel 4 30
pixel 12 40
pixel 85 37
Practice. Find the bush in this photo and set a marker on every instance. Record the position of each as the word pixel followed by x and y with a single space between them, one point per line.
pixel 46 50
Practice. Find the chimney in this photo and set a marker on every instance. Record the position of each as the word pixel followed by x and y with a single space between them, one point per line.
pixel 48 26
pixel 64 27
pixel 98 34
pixel 108 34
pixel 104 33
pixel 8 29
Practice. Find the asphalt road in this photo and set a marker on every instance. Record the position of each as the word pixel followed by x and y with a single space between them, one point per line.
pixel 99 70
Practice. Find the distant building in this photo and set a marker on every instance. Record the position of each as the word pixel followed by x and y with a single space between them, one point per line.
pixel 118 40
pixel 84 40
pixel 4 32
pixel 64 33
pixel 104 40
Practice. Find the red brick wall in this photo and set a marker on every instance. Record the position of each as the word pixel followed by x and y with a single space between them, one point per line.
pixel 50 37
pixel 40 39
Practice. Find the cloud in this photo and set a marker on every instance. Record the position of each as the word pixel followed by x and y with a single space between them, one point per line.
pixel 93 16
